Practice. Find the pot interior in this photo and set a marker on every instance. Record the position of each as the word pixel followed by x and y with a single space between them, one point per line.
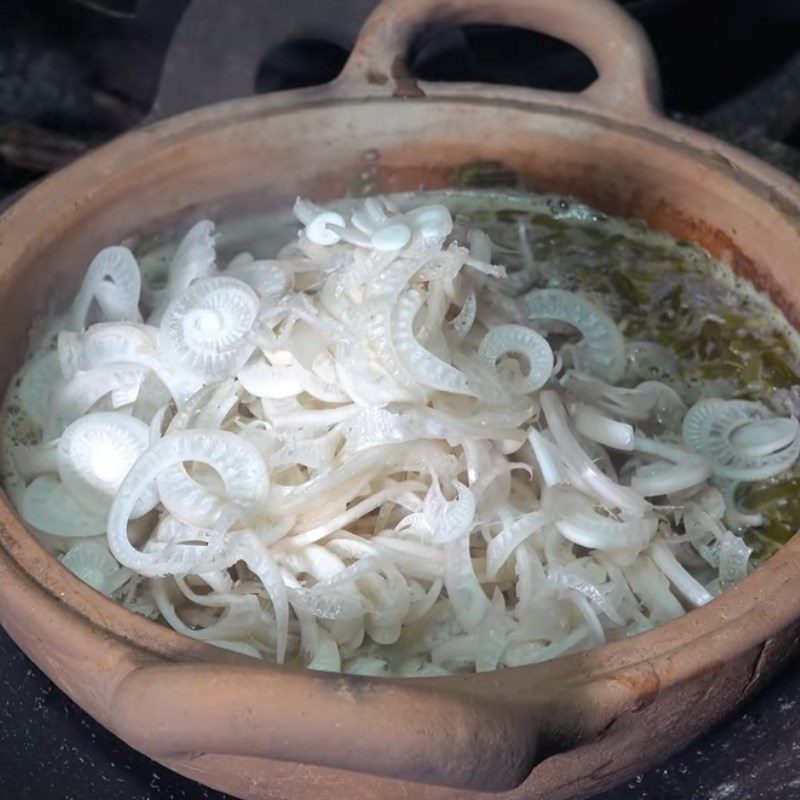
pixel 257 156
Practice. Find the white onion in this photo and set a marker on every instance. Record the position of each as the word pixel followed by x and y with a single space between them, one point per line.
pixel 517 339
pixel 742 439
pixel 204 330
pixel 591 423
pixel 602 347
pixel 114 281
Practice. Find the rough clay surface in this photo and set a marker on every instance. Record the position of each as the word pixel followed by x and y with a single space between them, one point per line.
pixel 52 749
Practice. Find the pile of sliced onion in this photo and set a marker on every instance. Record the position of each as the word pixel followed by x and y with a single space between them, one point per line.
pixel 356 456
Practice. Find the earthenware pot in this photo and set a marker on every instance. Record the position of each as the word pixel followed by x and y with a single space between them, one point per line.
pixel 557 730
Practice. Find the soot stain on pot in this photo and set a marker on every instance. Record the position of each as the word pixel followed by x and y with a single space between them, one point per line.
pixel 377 78
pixel 406 85
pixel 481 174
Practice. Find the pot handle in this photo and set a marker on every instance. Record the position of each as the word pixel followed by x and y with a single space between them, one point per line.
pixel 389 728
pixel 628 80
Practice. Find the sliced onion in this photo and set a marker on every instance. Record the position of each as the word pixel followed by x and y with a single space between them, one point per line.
pixel 94 565
pixel 113 279
pixel 49 507
pixel 463 322
pixel 450 520
pixel 693 591
pixel 517 339
pixel 238 464
pixel 612 493
pixel 194 259
pixel 564 578
pixel 763 438
pixel 734 559
pixel 467 597
pixel 36 384
pixel 96 452
pixel 105 344
pixel 205 329
pixel 590 529
pixel 592 424
pixel 266 278
pixel 650 361
pixel 70 400
pixel 602 347
pixel 736 516
pixel 548 458
pixel 709 428
pixel 684 472
pixel 423 365
pixel 511 537
pixel 33 460
pixel 331 460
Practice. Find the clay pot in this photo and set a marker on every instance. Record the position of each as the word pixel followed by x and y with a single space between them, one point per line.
pixel 562 729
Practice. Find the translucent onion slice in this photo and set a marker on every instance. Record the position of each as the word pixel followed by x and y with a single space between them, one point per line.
pixel 421 363
pixel 71 399
pixel 592 424
pixel 467 597
pixel 113 279
pixel 603 346
pixel 690 588
pixel 319 228
pixel 36 384
pixel 734 559
pixel 590 529
pixel 263 380
pixel 49 507
pixel 709 428
pixel 548 458
pixel 502 546
pixel 326 657
pixel 258 559
pixel 685 471
pixel 735 515
pixel 188 500
pixel 94 565
pixel 421 561
pixel 649 361
pixel 359 510
pixel 241 615
pixel 390 237
pixel 194 259
pixel 450 520
pixel 463 322
pixel 431 221
pixel 205 329
pixel 105 344
pixel 519 340
pixel 266 278
pixel 652 587
pixel 238 464
pixel 33 460
pixel 96 452
pixel 763 438
pixel 649 400
pixel 614 495
pixel 562 577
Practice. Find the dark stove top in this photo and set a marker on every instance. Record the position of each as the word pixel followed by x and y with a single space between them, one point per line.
pixel 73 73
